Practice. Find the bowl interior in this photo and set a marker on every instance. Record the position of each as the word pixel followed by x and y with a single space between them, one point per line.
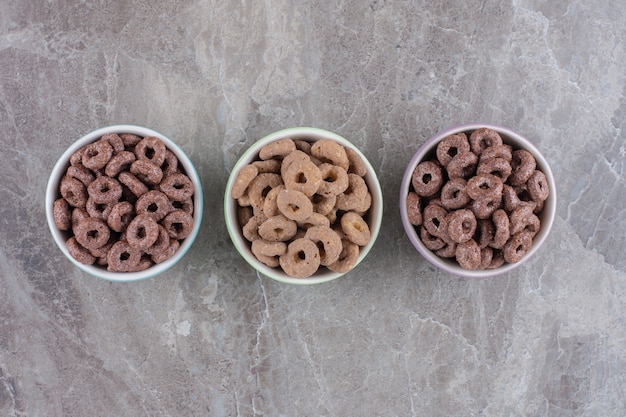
pixel 427 151
pixel 230 205
pixel 52 193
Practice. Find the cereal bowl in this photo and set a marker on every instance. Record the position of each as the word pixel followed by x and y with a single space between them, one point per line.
pixel 309 138
pixel 144 207
pixel 448 219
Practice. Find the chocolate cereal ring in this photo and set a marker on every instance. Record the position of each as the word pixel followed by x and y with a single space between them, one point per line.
pixel 294 205
pixel 468 255
pixel 277 149
pixel 427 178
pixel 434 219
pixel 523 165
pixel 78 252
pixel 454 194
pixel 78 215
pixel 461 225
pixel 178 223
pixel 538 187
pixel 81 173
pixel 431 241
pixel 115 141
pixel 73 191
pixel 451 146
pixel 301 260
pixel 142 232
pixel 334 180
pixel 485 231
pixel 130 140
pixel 499 167
pixel 483 138
pixel 177 186
pixel 503 151
pixel 486 257
pixel 502 229
pixel 497 259
pixel 355 228
pixel 146 171
pixel 98 210
pixel 463 165
pixel 135 186
pixel 327 241
pixel 524 220
pixel 185 205
pixel 151 149
pixel 509 198
pixel 154 203
pixel 327 150
pixel 414 208
pixel 518 246
pixel 120 216
pixel 303 176
pixel 448 251
pixel 278 228
pixel 122 257
pixel 91 233
pixel 61 214
pixel 160 257
pixel 105 190
pixel 119 162
pixel 483 209
pixel 347 257
pixel 161 244
pixel 268 252
pixel 243 179
pixel 76 159
pixel 485 187
pixel 353 196
pixel 97 155
pixel 170 164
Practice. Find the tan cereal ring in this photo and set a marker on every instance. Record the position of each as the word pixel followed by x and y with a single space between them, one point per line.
pixel 135 186
pixel 523 165
pixel 427 178
pixel 517 247
pixel 303 176
pixel 502 232
pixel 277 228
pixel 243 179
pixel 315 219
pixel 334 180
pixel 270 204
pixel 483 138
pixel 487 187
pixel 357 165
pixel 73 191
pixel 178 223
pixel 323 205
pixel 151 149
pixel 260 186
pixel 154 203
pixel 277 149
pixel 295 156
pixel 353 196
pixel 538 187
pixel 414 208
pixel 328 243
pixel 120 216
pixel 105 190
pixel 495 166
pixel 461 225
pixel 61 214
pixel 327 150
pixel 268 252
pixel 468 255
pixel 142 232
pixel 78 252
pixel 122 257
pixel 301 260
pixel 451 146
pixel 177 186
pixel 355 228
pixel 463 165
pixel 268 166
pixel 81 173
pixel 454 194
pixel 244 214
pixel 250 229
pixel 294 205
pixel 303 145
pixel 99 210
pixel 146 171
pixel 347 258
pixel 91 233
pixel 119 162
pixel 97 155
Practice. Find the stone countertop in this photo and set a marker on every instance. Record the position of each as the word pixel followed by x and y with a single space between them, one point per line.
pixel 394 337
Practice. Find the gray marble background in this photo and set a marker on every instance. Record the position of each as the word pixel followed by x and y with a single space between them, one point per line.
pixel 395 337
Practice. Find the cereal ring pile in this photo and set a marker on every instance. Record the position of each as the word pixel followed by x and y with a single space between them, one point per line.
pixel 125 203
pixel 304 206
pixel 477 200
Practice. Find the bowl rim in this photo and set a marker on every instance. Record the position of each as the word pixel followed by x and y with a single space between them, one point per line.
pixel 241 243
pixel 52 194
pixel 548 213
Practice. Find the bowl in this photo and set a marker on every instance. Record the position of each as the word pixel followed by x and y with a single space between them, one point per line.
pixel 61 236
pixel 428 152
pixel 373 216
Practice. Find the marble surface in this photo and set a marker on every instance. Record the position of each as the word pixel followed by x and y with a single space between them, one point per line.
pixel 395 337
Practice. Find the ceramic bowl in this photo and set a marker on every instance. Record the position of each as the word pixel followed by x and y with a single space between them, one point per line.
pixel 373 217
pixel 60 237
pixel 427 152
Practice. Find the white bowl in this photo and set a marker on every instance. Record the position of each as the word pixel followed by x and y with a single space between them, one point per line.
pixel 374 218
pixel 427 151
pixel 52 193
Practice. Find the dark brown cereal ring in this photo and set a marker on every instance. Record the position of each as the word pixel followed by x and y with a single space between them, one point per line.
pixel 168 253
pixel 243 179
pixel 78 252
pixel 91 233
pixel 268 252
pixel 334 180
pixel 161 244
pixel 250 229
pixel 170 164
pixel 130 140
pixel 414 208
pixel 454 194
pixel 301 260
pixel 119 162
pixel 315 219
pixel 498 151
pixel 480 139
pixel 327 150
pixel 495 166
pixel 120 216
pixel 135 186
pixel 483 209
pixel 78 215
pixel 347 257
pixel 74 192
pixel 77 157
pixel 61 214
pixel 327 241
pixel 427 178
pixel 277 228
pixel 509 198
pixel 323 205
pixel 142 231
pixel 177 186
pixel 485 187
pixel 81 173
pixel 538 187
pixel 486 256
pixel 97 155
pixel 260 186
pixel 303 176
pixel 451 146
pixel 270 165
pixel 270 204
pixel 468 255
pixel 461 225
pixel 178 223
pixel 105 190
pixel 448 251
pixel 115 141
pixel 277 149
pixel 185 205
pixel 356 164
pixel 524 220
pixel 463 165
pixel 353 196
pixel 497 259
pixel 154 203
pixel 518 246
pixel 502 229
pixel 303 145
pixel 523 165
pixel 485 231
pixel 355 228
pixel 431 241
pixel 101 252
pixel 99 210
pixel 144 263
pixel 151 149
pixel 294 205
pixel 434 219
pixel 146 171
pixel 122 257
